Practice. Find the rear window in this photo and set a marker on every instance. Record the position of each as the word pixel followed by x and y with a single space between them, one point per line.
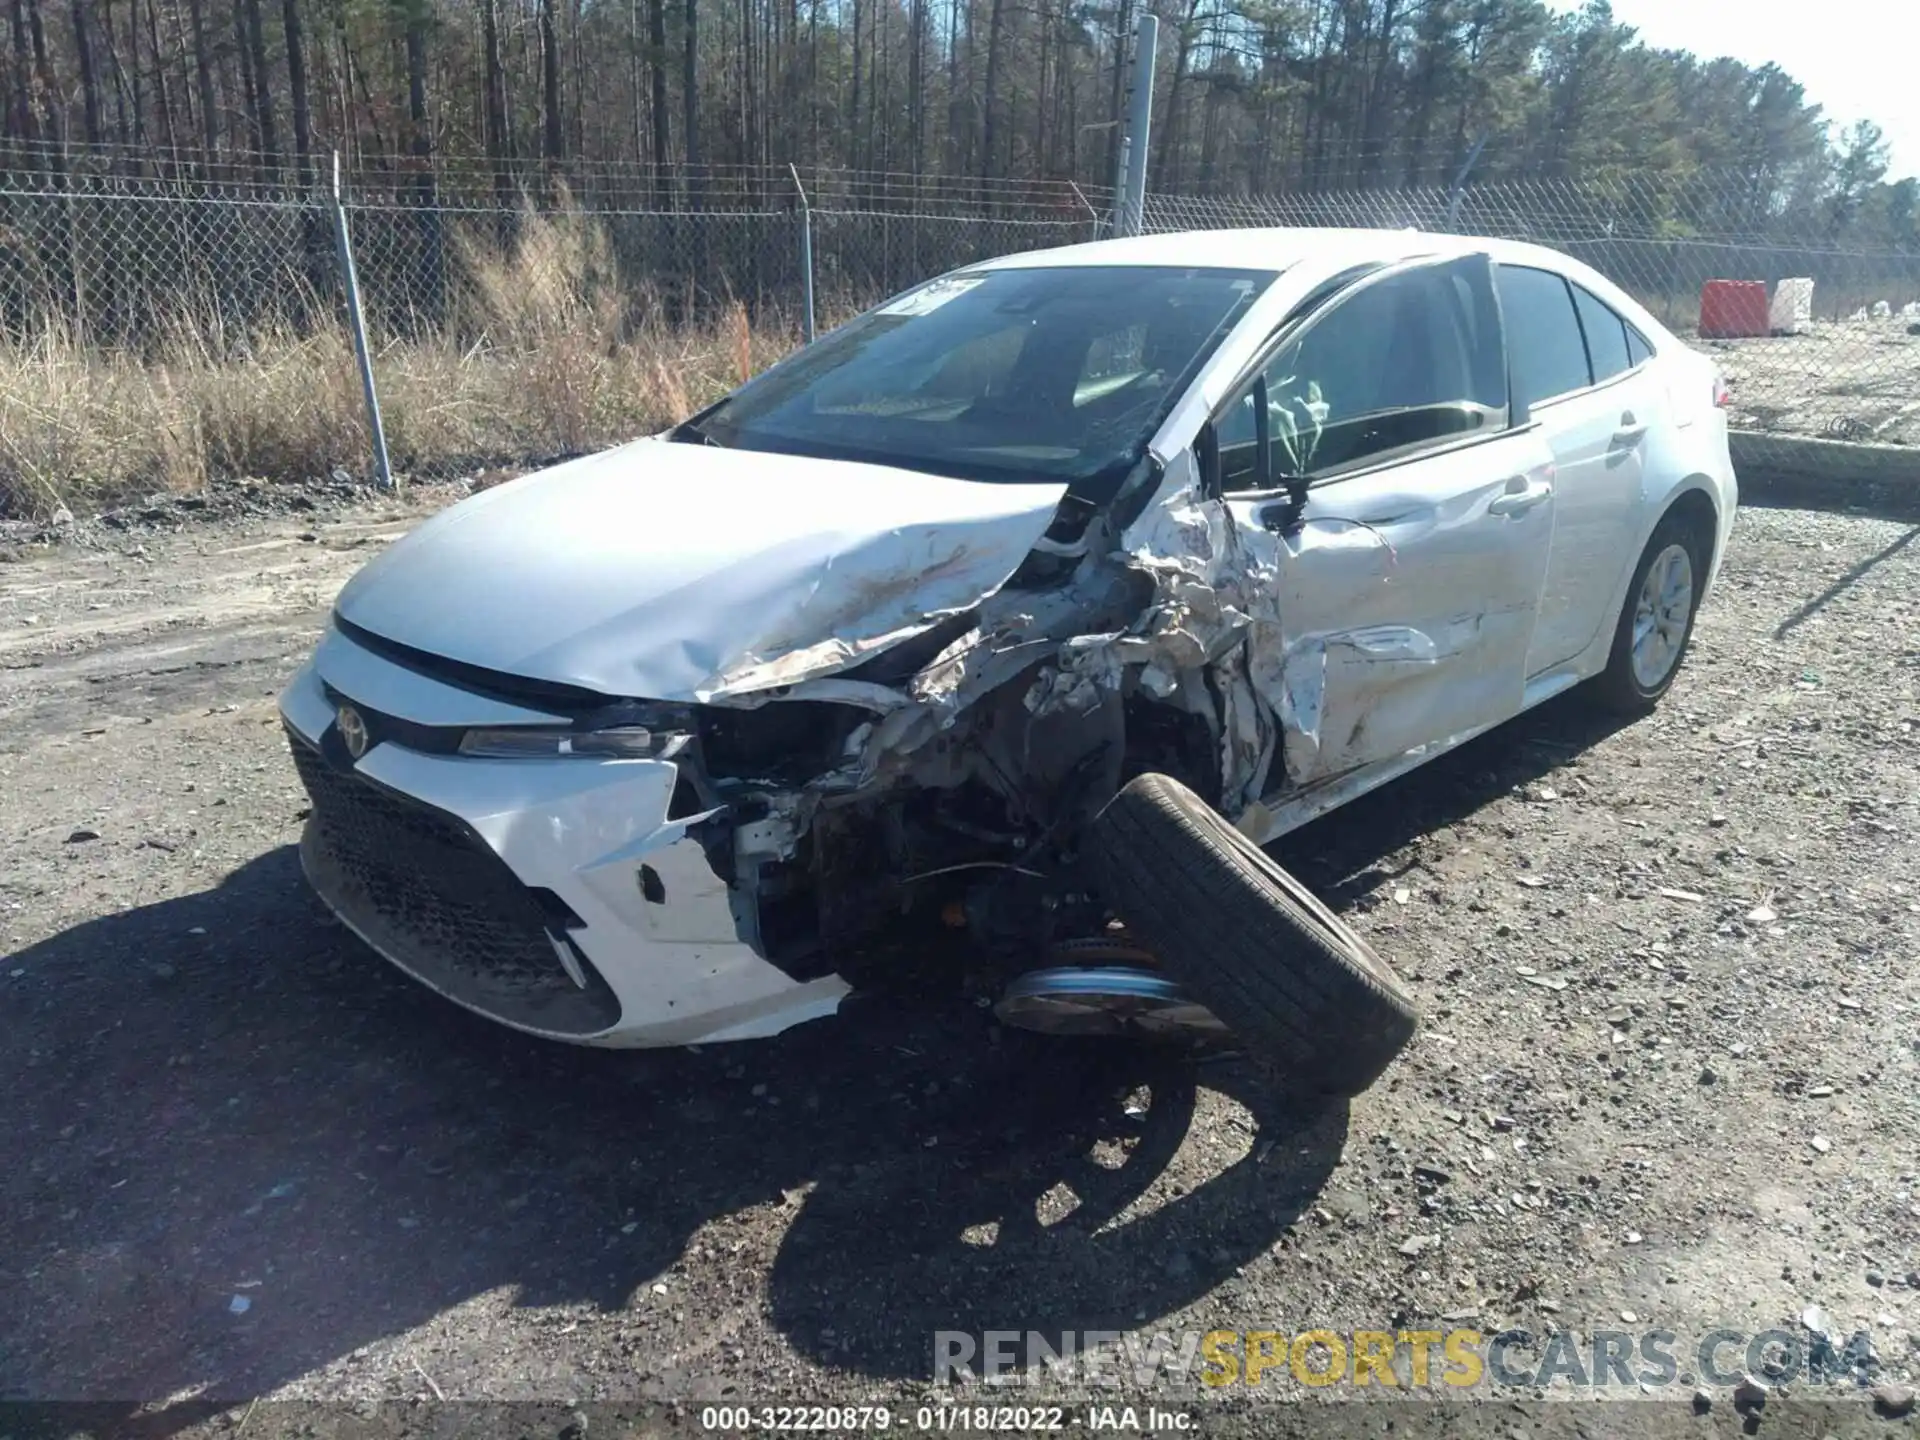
pixel 1546 354
pixel 1606 335
pixel 1637 347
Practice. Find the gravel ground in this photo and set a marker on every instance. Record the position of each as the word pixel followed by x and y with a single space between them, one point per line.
pixel 1668 1075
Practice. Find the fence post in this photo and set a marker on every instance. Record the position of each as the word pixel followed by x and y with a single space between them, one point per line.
pixel 358 320
pixel 806 250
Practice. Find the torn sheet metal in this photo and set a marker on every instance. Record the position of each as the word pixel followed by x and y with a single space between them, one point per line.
pixel 1239 614
pixel 1037 630
pixel 692 573
pixel 1210 627
pixel 1400 615
pixel 1346 698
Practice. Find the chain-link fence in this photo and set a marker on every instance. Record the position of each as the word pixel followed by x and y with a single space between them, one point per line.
pixel 162 329
pixel 165 328
pixel 1845 365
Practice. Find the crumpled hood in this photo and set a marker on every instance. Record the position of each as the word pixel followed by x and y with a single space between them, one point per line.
pixel 686 572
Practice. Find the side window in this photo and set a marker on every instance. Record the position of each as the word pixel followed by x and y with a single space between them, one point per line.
pixel 1409 361
pixel 1637 347
pixel 1545 351
pixel 1606 335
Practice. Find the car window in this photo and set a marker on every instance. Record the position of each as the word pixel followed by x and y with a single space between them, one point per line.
pixel 1409 361
pixel 1545 351
pixel 1606 335
pixel 1043 373
pixel 1637 347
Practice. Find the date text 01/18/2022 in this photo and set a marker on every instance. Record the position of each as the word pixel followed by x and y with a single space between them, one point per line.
pixel 937 1419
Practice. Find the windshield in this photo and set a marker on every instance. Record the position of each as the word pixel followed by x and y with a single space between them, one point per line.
pixel 1022 374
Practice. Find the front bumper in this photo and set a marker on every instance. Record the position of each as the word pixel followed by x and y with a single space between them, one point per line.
pixel 483 878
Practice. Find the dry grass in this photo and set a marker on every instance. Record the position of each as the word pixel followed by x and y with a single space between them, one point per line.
pixel 547 355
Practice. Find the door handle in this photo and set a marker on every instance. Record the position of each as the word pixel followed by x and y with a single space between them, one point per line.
pixel 1630 429
pixel 1520 496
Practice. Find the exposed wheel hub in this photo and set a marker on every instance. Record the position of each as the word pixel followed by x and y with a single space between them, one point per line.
pixel 1661 614
pixel 1105 1000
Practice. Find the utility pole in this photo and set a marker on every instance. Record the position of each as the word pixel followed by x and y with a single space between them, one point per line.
pixel 1130 183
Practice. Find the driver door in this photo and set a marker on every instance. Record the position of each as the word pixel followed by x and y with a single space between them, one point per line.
pixel 1376 476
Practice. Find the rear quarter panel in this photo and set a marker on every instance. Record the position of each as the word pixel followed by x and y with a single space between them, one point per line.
pixel 1681 458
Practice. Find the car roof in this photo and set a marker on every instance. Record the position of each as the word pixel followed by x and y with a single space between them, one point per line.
pixel 1320 253
pixel 1275 249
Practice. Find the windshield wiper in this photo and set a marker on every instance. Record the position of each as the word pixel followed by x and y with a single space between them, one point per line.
pixel 689 433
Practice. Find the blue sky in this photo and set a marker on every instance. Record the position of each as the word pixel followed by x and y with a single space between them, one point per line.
pixel 1855 57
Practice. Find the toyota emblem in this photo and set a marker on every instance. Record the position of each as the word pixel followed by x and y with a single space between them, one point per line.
pixel 353 731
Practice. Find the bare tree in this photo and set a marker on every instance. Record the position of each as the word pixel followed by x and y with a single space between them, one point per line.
pixel 498 135
pixel 169 137
pixel 657 66
pixel 996 23
pixel 89 82
pixel 24 122
pixel 202 74
pixel 260 95
pixel 916 86
pixel 126 107
pixel 297 88
pixel 690 82
pixel 552 135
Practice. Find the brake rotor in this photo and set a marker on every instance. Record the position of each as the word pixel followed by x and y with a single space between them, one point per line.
pixel 1105 1000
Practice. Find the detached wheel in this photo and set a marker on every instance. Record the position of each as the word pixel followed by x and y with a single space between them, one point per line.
pixel 1284 973
pixel 1656 624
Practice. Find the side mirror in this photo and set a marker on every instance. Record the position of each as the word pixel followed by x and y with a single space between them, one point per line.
pixel 1281 516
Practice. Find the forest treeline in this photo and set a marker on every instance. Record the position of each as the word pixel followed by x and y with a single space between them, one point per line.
pixel 1253 96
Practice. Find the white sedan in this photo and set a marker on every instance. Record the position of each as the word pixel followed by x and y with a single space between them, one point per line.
pixel 989 635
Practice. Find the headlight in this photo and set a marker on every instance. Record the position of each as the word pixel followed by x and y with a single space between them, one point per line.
pixel 621 742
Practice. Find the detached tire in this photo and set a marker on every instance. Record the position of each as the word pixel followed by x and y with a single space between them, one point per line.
pixel 1251 943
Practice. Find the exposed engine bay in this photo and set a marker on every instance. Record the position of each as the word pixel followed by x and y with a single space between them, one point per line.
pixel 940 788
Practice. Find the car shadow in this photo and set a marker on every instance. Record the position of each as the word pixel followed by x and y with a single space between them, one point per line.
pixel 244 1149
pixel 1345 856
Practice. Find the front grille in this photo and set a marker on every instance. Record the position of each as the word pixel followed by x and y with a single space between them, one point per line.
pixel 427 892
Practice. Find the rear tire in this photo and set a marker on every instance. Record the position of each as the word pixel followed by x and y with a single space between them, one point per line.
pixel 1650 638
pixel 1289 977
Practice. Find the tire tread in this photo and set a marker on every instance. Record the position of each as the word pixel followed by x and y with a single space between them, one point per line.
pixel 1280 969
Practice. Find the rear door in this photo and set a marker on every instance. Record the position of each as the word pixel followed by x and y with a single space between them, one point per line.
pixel 1578 368
pixel 1375 478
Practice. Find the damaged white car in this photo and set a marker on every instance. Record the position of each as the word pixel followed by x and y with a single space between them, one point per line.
pixel 988 637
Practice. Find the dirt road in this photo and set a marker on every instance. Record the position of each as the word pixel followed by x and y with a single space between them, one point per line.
pixel 1668 1077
